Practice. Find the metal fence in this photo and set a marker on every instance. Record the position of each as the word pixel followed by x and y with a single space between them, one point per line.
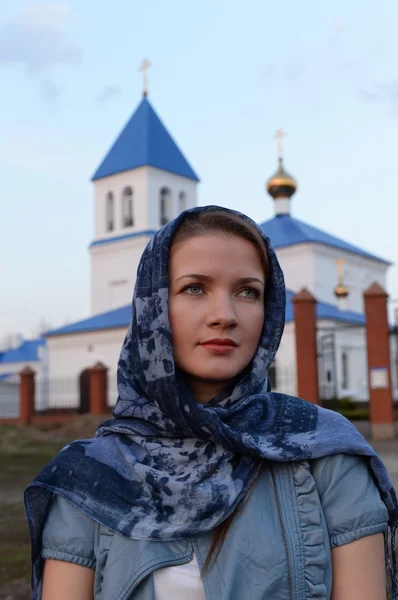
pixel 60 394
pixel 283 379
pixel 9 398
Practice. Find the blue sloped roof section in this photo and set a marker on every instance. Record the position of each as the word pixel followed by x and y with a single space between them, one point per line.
pixel 145 141
pixel 119 317
pixel 326 311
pixel 5 376
pixel 285 230
pixel 28 351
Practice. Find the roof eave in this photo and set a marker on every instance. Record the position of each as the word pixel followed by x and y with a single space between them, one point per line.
pixel 60 333
pixel 362 255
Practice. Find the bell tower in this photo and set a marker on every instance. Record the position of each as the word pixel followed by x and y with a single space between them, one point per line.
pixel 143 182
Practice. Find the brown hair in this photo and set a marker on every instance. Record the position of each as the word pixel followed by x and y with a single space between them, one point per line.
pixel 201 224
pixel 212 221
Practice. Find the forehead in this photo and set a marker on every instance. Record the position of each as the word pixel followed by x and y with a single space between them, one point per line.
pixel 213 253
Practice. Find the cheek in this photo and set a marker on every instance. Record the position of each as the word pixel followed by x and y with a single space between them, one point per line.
pixel 255 328
pixel 181 324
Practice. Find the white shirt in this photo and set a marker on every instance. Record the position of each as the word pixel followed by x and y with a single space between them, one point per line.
pixel 180 582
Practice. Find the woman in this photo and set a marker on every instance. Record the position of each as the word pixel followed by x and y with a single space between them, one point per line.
pixel 205 484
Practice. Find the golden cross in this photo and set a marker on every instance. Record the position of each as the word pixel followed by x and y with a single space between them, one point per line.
pixel 279 135
pixel 145 64
pixel 340 268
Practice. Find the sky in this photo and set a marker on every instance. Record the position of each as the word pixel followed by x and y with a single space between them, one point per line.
pixel 225 75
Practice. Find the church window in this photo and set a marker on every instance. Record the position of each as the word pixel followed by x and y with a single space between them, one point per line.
pixel 344 370
pixel 127 199
pixel 110 217
pixel 182 202
pixel 165 206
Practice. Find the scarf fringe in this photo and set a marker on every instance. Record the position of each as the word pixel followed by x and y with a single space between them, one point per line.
pixel 390 549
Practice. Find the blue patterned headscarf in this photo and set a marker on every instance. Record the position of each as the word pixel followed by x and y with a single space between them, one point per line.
pixel 166 466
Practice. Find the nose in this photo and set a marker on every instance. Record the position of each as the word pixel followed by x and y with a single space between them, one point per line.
pixel 221 312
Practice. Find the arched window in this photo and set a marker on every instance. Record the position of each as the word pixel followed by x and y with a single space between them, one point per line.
pixel 344 370
pixel 127 200
pixel 165 206
pixel 182 202
pixel 110 218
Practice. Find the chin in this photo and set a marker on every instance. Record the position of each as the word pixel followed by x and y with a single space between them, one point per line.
pixel 215 375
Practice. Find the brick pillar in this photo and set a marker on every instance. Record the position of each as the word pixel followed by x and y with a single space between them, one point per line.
pixel 26 395
pixel 98 389
pixel 382 420
pixel 304 305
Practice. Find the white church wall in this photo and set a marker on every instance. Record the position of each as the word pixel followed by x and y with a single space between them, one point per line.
pixel 359 274
pixel 114 264
pixel 354 385
pixel 336 379
pixel 137 179
pixel 158 179
pixel 70 355
pixel 113 272
pixel 297 264
pixel 285 362
pixel 17 367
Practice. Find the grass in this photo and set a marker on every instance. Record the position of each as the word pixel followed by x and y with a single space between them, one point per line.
pixel 21 458
pixel 16 472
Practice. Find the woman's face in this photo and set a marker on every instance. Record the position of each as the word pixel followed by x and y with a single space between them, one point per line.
pixel 216 309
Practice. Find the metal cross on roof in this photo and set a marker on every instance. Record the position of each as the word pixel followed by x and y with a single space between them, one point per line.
pixel 340 268
pixel 144 67
pixel 279 135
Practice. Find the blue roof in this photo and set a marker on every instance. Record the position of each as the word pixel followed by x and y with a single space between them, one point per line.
pixel 285 230
pixel 5 376
pixel 326 311
pixel 28 351
pixel 126 236
pixel 118 317
pixel 144 141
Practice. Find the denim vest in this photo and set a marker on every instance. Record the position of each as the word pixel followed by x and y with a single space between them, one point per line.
pixel 278 547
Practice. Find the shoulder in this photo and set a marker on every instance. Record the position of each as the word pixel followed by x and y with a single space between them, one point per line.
pixel 349 496
pixel 68 534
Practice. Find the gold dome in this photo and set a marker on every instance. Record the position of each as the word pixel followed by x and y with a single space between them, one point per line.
pixel 341 291
pixel 281 184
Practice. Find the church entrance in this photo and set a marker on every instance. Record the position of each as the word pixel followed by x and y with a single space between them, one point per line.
pixel 84 387
pixel 327 367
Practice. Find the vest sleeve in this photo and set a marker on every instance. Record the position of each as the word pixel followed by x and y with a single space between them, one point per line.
pixel 350 499
pixel 68 534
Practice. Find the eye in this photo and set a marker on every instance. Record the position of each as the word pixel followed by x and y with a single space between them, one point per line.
pixel 193 289
pixel 252 293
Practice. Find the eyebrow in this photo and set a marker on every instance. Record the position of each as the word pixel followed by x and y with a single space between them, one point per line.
pixel 199 277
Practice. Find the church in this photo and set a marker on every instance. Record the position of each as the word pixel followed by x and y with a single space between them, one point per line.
pixel 143 182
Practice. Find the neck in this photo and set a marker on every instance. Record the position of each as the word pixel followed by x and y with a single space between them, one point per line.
pixel 204 390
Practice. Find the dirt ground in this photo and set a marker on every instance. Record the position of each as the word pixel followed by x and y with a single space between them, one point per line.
pixel 23 451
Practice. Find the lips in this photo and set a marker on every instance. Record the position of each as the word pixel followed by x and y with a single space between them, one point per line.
pixel 220 345
pixel 220 342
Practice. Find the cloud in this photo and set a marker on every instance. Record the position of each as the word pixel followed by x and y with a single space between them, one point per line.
pixel 39 37
pixel 385 93
pixel 109 92
pixel 51 93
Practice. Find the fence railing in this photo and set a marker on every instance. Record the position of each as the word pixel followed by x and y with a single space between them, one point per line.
pixel 9 398
pixel 59 394
pixel 285 380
